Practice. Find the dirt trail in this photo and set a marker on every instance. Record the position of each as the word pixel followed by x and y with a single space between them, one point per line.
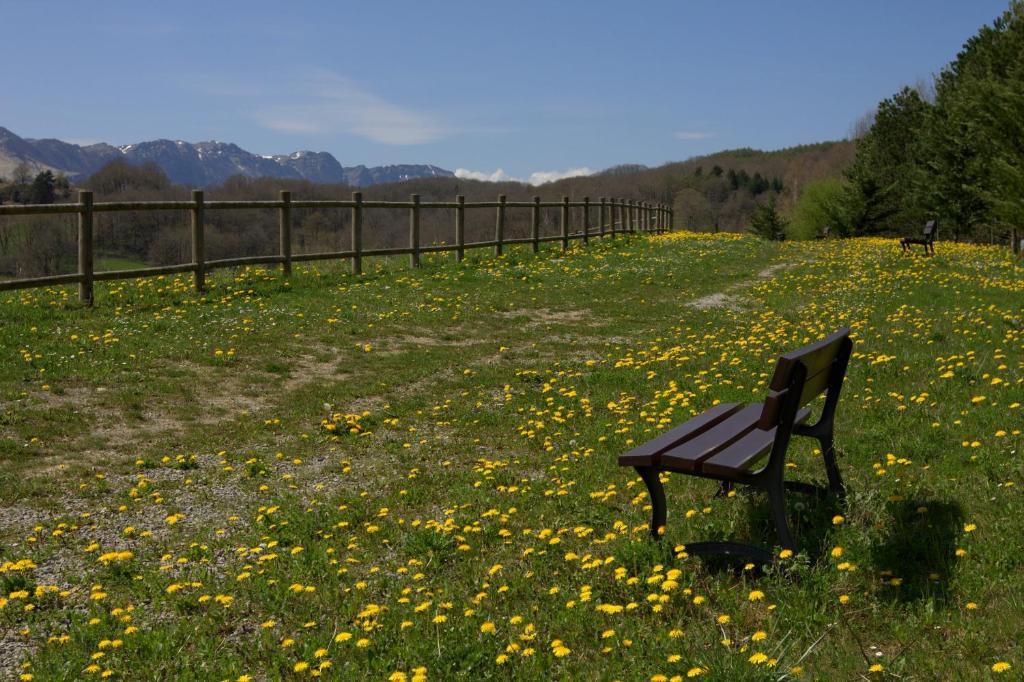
pixel 731 297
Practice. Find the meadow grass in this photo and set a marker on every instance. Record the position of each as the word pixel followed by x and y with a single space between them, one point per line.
pixel 412 474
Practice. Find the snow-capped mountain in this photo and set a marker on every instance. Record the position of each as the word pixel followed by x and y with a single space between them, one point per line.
pixel 198 165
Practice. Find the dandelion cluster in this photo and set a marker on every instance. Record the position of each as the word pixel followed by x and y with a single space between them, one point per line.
pixel 411 475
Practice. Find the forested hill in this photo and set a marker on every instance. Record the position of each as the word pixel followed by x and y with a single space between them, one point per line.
pixel 721 190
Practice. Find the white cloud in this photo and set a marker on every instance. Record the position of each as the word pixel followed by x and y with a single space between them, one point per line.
pixel 692 135
pixel 497 176
pixel 326 102
pixel 542 177
pixel 536 178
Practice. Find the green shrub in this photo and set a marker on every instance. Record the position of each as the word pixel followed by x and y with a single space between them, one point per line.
pixel 818 207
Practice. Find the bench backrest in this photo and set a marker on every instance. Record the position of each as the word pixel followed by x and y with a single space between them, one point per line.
pixel 930 229
pixel 811 371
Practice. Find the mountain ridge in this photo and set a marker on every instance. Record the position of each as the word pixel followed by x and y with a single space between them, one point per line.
pixel 199 164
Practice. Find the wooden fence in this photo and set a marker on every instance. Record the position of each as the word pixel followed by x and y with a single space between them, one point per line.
pixel 614 216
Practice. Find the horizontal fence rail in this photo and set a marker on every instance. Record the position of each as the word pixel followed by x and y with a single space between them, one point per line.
pixel 614 216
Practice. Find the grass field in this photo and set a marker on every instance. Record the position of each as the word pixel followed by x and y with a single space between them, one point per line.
pixel 412 474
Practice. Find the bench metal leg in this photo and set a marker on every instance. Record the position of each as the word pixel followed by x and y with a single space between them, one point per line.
pixel 652 479
pixel 758 555
pixel 777 496
pixel 828 455
pixel 807 489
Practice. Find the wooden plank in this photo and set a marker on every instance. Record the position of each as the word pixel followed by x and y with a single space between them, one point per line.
pixel 39 209
pixel 535 224
pixel 499 226
pixel 815 356
pixel 748 449
pixel 357 233
pixel 414 232
pixel 33 282
pixel 85 263
pixel 115 207
pixel 586 220
pixel 565 223
pixel 649 453
pixel 284 232
pixel 242 260
pixel 198 240
pixel 135 273
pixel 688 456
pixel 745 452
pixel 460 228
pixel 323 255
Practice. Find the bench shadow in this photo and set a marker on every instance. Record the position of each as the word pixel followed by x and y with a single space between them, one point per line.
pixel 917 552
pixel 810 521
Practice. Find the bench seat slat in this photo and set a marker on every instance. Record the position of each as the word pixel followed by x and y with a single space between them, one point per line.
pixel 688 456
pixel 744 453
pixel 649 453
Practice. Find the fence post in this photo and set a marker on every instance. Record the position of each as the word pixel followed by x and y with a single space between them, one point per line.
pixel 565 223
pixel 611 215
pixel 285 232
pixel 499 225
pixel 671 225
pixel 357 233
pixel 602 216
pixel 198 246
pixel 414 231
pixel 535 224
pixel 460 228
pixel 85 269
pixel 586 220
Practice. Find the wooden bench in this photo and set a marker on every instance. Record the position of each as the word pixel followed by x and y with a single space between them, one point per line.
pixel 728 442
pixel 927 239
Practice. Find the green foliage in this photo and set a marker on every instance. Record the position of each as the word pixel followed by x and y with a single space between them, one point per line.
pixel 43 189
pixel 819 207
pixel 768 223
pixel 882 189
pixel 959 158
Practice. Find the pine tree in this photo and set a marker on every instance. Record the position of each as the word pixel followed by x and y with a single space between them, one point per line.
pixel 42 190
pixel 768 223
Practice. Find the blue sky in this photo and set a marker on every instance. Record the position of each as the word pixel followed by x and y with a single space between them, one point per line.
pixel 525 87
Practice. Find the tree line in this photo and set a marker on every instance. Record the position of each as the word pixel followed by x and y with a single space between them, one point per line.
pixel 952 150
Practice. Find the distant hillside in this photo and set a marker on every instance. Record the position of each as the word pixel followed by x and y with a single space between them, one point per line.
pixel 703 199
pixel 719 190
pixel 203 164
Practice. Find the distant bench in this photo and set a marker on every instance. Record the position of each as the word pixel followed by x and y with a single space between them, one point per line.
pixel 927 238
pixel 726 442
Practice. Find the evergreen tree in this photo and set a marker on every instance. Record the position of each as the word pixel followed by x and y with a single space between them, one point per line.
pixel 768 223
pixel 42 190
pixel 884 178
